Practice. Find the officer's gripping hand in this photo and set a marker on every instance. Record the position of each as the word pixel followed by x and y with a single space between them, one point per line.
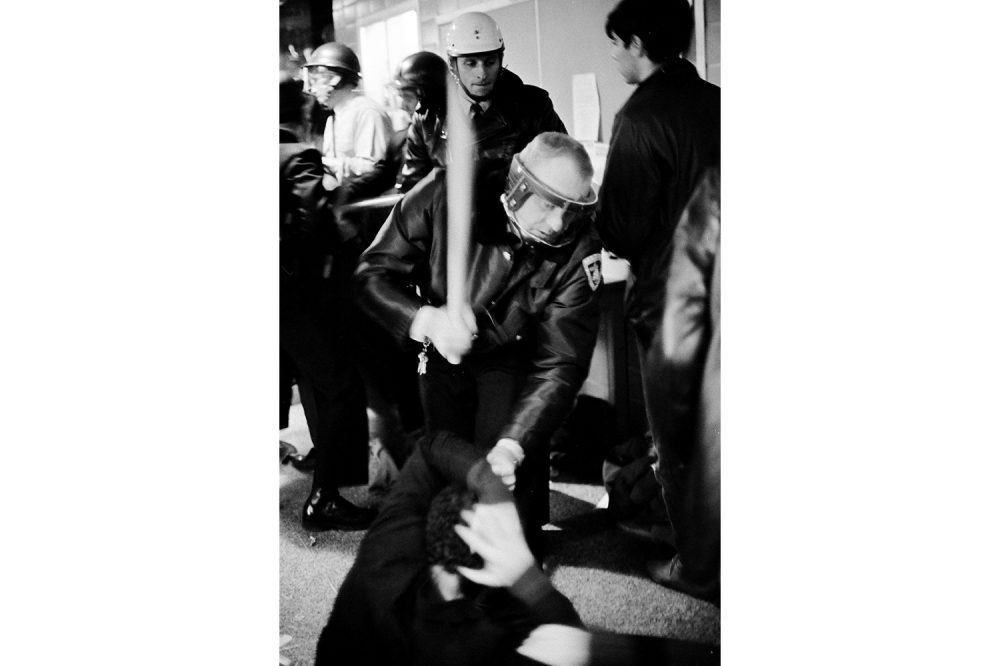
pixel 504 459
pixel 451 335
pixel 494 532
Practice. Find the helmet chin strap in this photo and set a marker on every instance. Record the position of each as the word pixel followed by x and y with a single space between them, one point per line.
pixel 477 98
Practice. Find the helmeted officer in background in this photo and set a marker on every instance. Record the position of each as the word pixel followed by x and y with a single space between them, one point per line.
pixel 313 330
pixel 506 113
pixel 505 373
pixel 357 134
pixel 420 80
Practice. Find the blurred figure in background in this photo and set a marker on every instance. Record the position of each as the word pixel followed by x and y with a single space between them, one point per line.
pixel 314 115
pixel 506 113
pixel 314 332
pixel 420 83
pixel 683 396
pixel 357 134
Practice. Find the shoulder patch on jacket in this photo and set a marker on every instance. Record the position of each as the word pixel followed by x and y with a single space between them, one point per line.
pixel 592 267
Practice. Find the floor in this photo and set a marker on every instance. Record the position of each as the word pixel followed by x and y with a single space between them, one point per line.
pixel 599 567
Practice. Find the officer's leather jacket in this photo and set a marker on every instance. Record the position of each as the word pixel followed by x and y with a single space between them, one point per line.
pixel 517 114
pixel 537 301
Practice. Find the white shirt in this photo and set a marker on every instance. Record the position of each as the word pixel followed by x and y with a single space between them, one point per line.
pixel 356 138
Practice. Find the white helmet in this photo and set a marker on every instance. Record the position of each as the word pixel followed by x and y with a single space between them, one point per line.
pixel 471 33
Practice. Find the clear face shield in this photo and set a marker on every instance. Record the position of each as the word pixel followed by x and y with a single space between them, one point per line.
pixel 522 184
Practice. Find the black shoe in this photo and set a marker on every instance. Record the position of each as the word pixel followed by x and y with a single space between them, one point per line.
pixel 327 510
pixel 304 463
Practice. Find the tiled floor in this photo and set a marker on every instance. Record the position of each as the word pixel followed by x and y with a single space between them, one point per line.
pixel 595 564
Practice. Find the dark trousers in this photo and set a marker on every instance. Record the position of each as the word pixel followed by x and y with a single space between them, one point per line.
pixel 688 472
pixel 315 337
pixel 286 378
pixel 390 377
pixel 474 401
pixel 682 405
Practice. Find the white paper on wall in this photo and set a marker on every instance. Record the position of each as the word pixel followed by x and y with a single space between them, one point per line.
pixel 598 157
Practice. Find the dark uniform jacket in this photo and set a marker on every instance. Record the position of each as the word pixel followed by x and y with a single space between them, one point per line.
pixel 663 139
pixel 542 302
pixel 386 614
pixel 517 114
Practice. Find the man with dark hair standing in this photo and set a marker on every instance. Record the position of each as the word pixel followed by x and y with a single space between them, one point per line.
pixel 663 140
pixel 505 112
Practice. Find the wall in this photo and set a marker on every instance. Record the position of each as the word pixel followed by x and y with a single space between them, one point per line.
pixel 548 41
pixel 713 41
pixel 573 42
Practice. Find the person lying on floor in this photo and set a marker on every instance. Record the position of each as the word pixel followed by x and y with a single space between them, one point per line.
pixel 405 599
pixel 445 576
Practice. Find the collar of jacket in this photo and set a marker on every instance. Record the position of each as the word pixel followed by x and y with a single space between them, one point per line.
pixel 677 69
pixel 505 93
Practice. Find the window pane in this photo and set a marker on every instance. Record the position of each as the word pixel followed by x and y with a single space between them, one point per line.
pixel 373 62
pixel 383 45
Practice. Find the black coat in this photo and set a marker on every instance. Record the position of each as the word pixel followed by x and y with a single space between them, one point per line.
pixel 663 139
pixel 305 219
pixel 540 301
pixel 384 615
pixel 518 113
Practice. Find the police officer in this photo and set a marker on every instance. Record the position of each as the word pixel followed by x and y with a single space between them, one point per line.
pixel 420 80
pixel 357 135
pixel 506 113
pixel 505 372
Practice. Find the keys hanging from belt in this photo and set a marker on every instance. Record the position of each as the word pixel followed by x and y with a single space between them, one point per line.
pixel 422 358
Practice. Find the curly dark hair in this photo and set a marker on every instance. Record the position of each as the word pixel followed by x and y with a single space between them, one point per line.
pixel 444 546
